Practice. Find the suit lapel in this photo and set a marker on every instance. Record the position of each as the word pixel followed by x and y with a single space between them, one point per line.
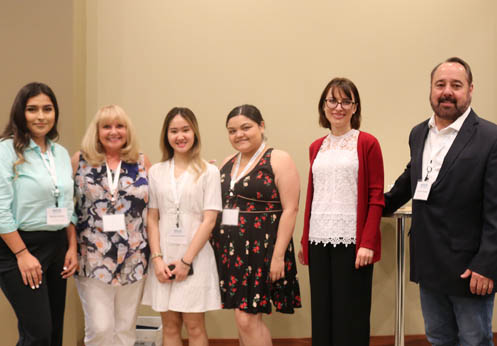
pixel 463 137
pixel 417 163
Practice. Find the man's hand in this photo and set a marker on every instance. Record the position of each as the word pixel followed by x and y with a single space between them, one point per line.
pixel 478 284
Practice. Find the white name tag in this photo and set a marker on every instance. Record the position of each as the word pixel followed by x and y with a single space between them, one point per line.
pixel 422 190
pixel 230 217
pixel 57 216
pixel 114 223
pixel 177 236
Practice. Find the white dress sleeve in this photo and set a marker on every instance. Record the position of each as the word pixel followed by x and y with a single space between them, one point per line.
pixel 212 189
pixel 152 192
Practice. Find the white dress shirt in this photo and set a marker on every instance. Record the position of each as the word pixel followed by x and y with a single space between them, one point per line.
pixel 438 143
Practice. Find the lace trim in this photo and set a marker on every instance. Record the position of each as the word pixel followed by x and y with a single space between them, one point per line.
pixel 333 241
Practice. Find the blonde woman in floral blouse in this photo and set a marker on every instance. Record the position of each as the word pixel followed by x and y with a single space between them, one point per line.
pixel 111 190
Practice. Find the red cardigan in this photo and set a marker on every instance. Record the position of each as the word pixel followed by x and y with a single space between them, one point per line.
pixel 370 200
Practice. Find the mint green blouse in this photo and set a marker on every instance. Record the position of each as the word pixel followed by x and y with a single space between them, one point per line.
pixel 25 198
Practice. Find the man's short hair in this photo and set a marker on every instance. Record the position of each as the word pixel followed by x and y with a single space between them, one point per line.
pixel 459 61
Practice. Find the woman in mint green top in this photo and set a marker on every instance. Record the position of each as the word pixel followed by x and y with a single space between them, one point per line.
pixel 37 253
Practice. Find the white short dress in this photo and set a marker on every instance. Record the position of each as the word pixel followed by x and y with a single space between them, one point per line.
pixel 200 291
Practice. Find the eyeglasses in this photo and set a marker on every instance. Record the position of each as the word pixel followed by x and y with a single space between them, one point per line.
pixel 333 103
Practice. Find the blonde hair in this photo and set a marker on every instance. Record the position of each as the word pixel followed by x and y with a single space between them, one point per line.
pixel 91 148
pixel 198 165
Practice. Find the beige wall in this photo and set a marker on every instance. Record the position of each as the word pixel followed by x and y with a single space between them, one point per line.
pixel 39 44
pixel 278 55
pixel 214 55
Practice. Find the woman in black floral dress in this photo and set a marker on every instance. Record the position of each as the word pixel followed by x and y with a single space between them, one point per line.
pixel 253 238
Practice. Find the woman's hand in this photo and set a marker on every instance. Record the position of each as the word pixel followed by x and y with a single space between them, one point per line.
pixel 30 269
pixel 364 257
pixel 161 271
pixel 300 255
pixel 70 263
pixel 180 270
pixel 277 268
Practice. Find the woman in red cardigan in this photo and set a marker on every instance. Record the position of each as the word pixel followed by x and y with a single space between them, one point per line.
pixel 341 237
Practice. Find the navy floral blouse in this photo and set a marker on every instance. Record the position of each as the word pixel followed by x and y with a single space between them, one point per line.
pixel 116 258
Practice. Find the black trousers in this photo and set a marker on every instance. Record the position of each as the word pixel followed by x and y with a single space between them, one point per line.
pixel 40 312
pixel 340 296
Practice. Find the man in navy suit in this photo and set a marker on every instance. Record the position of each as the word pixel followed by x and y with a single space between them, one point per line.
pixel 452 179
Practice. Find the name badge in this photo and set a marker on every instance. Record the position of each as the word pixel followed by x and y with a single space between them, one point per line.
pixel 422 190
pixel 114 223
pixel 230 217
pixel 57 216
pixel 177 236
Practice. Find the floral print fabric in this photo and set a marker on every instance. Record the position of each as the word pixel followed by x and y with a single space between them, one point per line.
pixel 116 258
pixel 244 252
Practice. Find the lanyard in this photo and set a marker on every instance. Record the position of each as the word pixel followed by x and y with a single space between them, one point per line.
pixel 441 148
pixel 177 189
pixel 235 176
pixel 113 182
pixel 49 162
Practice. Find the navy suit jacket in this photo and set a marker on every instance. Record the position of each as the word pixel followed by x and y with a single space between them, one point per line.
pixel 456 228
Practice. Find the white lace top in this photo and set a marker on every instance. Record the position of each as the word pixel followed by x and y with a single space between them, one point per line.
pixel 334 203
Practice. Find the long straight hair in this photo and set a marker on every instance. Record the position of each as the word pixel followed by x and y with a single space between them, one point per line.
pixel 198 165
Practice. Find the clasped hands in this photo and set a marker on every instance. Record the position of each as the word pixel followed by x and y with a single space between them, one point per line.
pixel 164 274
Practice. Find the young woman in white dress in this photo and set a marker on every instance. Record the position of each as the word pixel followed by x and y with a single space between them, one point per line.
pixel 185 198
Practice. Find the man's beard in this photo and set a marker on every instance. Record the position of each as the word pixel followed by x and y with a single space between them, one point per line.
pixel 450 114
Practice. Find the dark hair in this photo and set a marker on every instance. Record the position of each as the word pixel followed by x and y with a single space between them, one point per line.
pixel 17 128
pixel 249 111
pixel 199 166
pixel 185 113
pixel 350 90
pixel 459 61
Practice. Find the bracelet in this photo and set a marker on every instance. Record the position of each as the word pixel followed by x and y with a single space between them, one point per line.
pixel 187 264
pixel 18 252
pixel 158 254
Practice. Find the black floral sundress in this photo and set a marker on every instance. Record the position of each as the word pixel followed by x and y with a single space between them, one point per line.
pixel 244 252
